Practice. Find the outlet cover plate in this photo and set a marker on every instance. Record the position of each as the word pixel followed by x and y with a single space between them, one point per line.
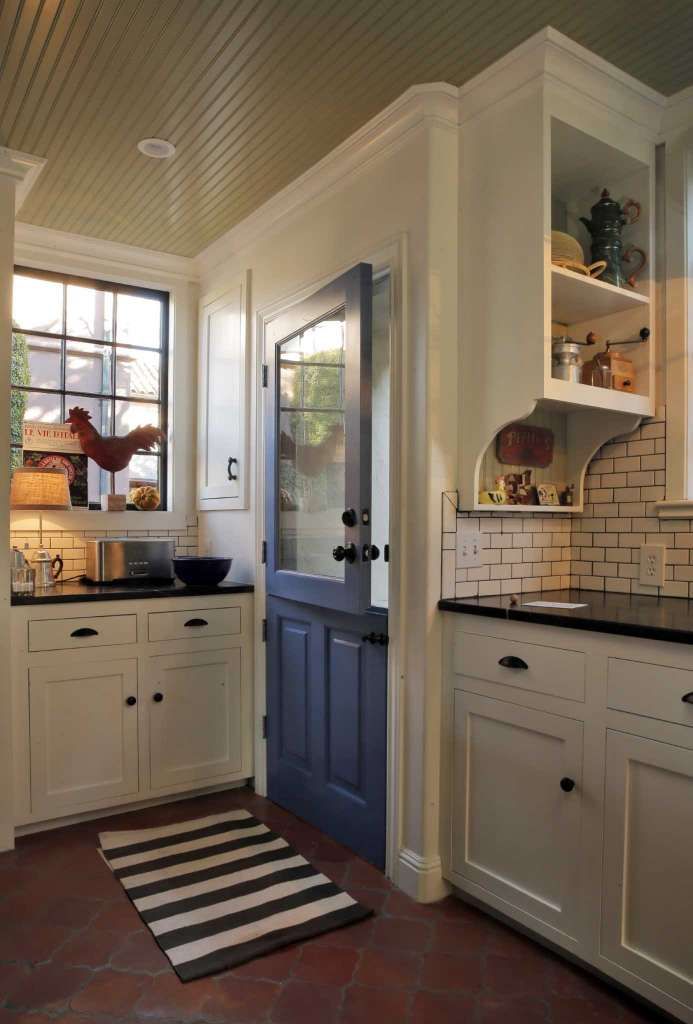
pixel 652 562
pixel 468 549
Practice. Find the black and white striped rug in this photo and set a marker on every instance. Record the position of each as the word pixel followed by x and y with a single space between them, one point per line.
pixel 218 891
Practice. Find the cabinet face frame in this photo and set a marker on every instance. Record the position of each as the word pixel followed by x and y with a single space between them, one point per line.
pixel 625 753
pixel 232 494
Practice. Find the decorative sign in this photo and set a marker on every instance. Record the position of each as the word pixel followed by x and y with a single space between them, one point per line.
pixel 520 444
pixel 51 445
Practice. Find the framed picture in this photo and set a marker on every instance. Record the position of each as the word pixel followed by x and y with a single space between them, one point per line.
pixel 548 494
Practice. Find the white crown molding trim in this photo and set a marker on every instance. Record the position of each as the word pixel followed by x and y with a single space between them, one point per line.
pixel 421 877
pixel 678 116
pixel 35 246
pixel 436 103
pixel 24 168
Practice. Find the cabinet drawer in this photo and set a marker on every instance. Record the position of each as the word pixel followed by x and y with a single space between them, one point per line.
pixel 90 631
pixel 655 691
pixel 533 667
pixel 194 623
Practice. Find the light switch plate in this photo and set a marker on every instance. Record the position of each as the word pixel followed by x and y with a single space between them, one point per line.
pixel 468 549
pixel 652 562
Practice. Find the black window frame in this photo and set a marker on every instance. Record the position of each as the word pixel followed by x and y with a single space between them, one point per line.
pixel 110 396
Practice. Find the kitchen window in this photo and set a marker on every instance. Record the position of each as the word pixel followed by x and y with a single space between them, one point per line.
pixel 97 345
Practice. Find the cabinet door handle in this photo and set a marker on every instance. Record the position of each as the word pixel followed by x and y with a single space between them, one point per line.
pixel 158 697
pixel 232 462
pixel 510 661
pixel 196 622
pixel 84 631
pixel 131 701
pixel 567 785
pixel 688 698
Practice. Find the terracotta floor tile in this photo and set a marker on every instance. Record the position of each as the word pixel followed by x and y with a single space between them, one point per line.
pixel 450 972
pixel 88 948
pixel 398 904
pixel 165 996
pixel 365 876
pixel 11 978
pixel 118 916
pixel 434 1008
pixel 33 943
pixel 517 976
pixel 275 966
pixel 354 936
pixel 240 999
pixel 112 992
pixel 402 933
pixel 48 987
pixel 326 965
pixel 467 935
pixel 374 1005
pixel 301 1002
pixel 507 1009
pixel 374 899
pixel 389 968
pixel 140 952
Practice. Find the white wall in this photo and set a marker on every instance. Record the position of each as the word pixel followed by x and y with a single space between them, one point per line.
pixel 395 205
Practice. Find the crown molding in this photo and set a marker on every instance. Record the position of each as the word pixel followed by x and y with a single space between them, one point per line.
pixel 23 168
pixel 435 103
pixel 42 247
pixel 678 116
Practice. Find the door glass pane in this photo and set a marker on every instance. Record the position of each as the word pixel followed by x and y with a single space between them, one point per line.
pixel 88 367
pixel 89 313
pixel 311 449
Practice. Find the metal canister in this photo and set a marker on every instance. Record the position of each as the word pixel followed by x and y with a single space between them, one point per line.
pixel 566 358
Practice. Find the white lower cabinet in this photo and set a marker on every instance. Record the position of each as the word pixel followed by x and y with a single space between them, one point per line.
pixel 569 808
pixel 515 830
pixel 647 925
pixel 83 734
pixel 196 715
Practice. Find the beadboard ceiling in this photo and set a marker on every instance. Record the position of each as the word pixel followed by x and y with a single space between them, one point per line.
pixel 253 92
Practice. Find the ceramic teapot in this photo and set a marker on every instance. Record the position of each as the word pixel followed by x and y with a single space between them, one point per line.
pixel 608 220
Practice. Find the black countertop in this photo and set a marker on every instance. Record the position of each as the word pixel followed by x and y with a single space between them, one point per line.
pixel 78 591
pixel 651 618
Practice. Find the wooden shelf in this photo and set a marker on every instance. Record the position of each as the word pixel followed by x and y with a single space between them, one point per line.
pixel 583 396
pixel 576 298
pixel 528 509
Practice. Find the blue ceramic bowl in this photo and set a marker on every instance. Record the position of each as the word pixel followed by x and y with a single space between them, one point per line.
pixel 201 571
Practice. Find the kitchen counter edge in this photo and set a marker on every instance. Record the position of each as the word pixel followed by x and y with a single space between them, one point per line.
pixel 74 593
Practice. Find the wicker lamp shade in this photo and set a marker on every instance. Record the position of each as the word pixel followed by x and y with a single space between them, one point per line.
pixel 40 490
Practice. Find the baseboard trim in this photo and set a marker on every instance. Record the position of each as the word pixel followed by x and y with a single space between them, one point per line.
pixel 421 877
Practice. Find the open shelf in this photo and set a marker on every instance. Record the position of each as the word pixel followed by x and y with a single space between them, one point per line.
pixel 575 297
pixel 585 395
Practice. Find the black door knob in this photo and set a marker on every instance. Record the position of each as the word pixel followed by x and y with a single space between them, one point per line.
pixel 370 552
pixel 131 701
pixel 567 785
pixel 349 517
pixel 342 553
pixel 158 697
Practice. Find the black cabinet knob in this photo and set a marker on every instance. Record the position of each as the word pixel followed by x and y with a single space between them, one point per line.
pixel 510 661
pixel 349 517
pixel 158 697
pixel 567 785
pixel 688 698
pixel 131 701
pixel 342 553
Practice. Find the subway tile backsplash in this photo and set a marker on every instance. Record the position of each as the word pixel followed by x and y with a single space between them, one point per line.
pixel 69 544
pixel 598 549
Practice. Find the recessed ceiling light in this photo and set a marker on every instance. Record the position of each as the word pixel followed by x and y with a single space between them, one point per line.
pixel 160 149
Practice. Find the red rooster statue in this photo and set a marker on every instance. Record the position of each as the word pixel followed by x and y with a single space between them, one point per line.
pixel 111 453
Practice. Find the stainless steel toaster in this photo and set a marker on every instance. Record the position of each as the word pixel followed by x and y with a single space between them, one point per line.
pixel 112 559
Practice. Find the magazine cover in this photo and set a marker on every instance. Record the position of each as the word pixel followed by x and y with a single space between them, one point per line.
pixel 48 444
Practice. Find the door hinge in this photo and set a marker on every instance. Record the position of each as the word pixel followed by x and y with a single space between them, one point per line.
pixel 265 375
pixel 264 631
pixel 264 727
pixel 263 555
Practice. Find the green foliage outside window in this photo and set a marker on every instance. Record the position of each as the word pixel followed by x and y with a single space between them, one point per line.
pixel 19 374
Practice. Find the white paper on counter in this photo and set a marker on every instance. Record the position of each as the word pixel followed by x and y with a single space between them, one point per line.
pixel 552 604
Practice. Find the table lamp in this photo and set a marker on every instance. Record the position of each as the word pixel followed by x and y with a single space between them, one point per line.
pixel 35 489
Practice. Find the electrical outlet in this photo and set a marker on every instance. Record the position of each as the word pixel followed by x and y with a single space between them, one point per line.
pixel 468 549
pixel 652 560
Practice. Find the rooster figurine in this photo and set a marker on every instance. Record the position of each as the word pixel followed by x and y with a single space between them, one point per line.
pixel 111 453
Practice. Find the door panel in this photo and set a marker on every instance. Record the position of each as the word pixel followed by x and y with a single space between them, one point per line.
pixel 319 445
pixel 648 883
pixel 515 831
pixel 327 710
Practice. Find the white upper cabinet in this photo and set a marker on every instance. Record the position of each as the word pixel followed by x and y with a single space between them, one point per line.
pixel 222 462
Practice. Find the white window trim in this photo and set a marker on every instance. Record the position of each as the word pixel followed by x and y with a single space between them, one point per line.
pixel 43 249
pixel 679 327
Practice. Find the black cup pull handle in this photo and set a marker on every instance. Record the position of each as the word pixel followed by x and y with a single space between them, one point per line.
pixel 196 622
pixel 510 661
pixel 688 698
pixel 84 631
